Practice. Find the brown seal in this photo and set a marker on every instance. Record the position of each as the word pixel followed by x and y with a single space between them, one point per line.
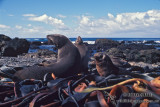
pixel 67 64
pixel 104 64
pixel 83 50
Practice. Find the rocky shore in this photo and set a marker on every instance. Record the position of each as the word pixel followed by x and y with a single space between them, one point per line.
pixel 116 69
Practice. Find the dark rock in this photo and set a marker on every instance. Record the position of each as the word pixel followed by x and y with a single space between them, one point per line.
pixel 15 47
pixel 4 38
pixel 20 61
pixel 115 52
pixel 37 43
pixel 147 56
pixel 8 51
pixel 150 42
pixel 103 44
pixel 135 46
pixel 136 54
pixel 43 54
pixel 46 52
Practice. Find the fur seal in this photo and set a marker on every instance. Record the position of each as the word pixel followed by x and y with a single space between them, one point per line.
pixel 104 64
pixel 83 50
pixel 67 64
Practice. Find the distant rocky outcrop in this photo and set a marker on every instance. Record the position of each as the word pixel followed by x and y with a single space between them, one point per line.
pixel 133 46
pixel 105 44
pixel 147 55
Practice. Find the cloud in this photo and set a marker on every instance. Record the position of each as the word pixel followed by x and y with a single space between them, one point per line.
pixel 18 27
pixel 61 16
pixel 110 15
pixel 10 15
pixel 57 23
pixel 29 25
pixel 28 15
pixel 136 24
pixel 4 26
pixel 84 20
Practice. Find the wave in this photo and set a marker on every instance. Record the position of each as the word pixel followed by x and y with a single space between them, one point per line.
pixel 157 41
pixel 89 42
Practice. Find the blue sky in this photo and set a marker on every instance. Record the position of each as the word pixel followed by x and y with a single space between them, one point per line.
pixel 86 18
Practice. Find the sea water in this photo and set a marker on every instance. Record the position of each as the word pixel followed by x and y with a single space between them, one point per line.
pixel 92 41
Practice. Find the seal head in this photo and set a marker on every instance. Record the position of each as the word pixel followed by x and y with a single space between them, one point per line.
pixel 104 64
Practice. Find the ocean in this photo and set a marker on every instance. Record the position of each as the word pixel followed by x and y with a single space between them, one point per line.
pixel 92 41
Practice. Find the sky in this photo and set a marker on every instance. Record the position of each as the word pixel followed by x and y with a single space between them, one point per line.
pixel 85 18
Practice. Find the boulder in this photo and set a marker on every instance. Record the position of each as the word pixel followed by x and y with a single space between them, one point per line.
pixel 4 38
pixel 15 47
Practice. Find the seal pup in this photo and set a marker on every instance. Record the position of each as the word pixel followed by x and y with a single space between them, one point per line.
pixel 67 64
pixel 83 50
pixel 104 64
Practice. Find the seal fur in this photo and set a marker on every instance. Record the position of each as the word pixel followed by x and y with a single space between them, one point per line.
pixel 83 50
pixel 67 64
pixel 104 64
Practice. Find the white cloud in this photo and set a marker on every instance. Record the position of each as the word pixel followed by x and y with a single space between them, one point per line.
pixel 10 15
pixel 110 15
pixel 84 20
pixel 18 27
pixel 61 16
pixel 57 23
pixel 135 24
pixel 28 15
pixel 29 25
pixel 4 26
